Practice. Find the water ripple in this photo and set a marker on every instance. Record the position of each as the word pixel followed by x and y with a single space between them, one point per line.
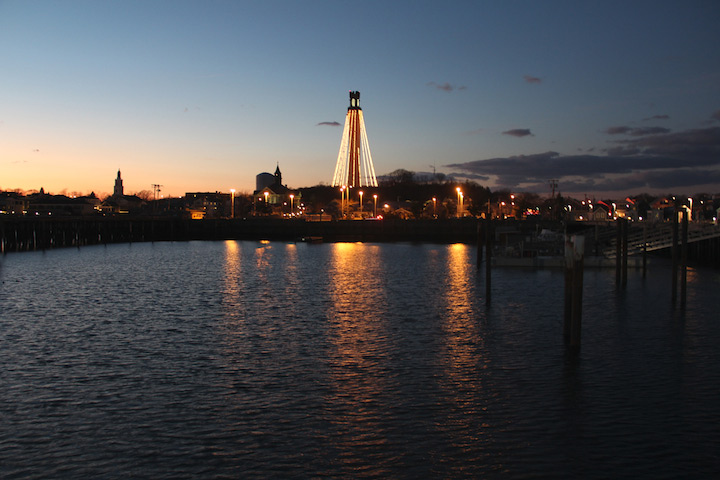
pixel 256 360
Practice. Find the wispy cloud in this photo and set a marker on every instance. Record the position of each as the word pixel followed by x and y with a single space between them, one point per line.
pixel 688 159
pixel 518 132
pixel 531 79
pixel 636 132
pixel 447 87
pixel 657 117
pixel 330 124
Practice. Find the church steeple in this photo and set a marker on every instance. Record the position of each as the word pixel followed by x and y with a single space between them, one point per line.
pixel 278 175
pixel 118 191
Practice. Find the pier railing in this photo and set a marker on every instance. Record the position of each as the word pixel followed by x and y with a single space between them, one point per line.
pixel 656 237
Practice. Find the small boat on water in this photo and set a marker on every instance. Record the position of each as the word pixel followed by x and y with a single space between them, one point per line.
pixel 312 239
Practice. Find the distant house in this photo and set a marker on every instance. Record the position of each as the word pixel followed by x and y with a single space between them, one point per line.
pixel 124 204
pixel 599 213
pixel 12 203
pixel 403 213
pixel 208 204
pixel 93 200
pixel 58 205
pixel 660 210
pixel 626 209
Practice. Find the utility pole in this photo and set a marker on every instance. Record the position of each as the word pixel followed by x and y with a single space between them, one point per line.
pixel 156 194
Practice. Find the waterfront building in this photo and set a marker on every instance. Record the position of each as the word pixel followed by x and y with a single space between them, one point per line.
pixel 12 203
pixel 59 205
pixel 208 204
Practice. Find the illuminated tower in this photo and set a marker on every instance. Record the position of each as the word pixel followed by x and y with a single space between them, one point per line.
pixel 354 166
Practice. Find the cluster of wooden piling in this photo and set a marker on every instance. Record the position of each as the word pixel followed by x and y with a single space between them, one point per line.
pixel 27 234
pixel 574 265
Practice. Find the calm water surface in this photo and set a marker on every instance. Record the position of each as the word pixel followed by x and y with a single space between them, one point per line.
pixel 257 360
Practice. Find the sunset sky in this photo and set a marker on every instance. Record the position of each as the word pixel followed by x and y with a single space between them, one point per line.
pixel 604 97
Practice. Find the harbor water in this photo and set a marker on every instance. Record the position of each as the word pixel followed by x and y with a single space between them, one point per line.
pixel 243 359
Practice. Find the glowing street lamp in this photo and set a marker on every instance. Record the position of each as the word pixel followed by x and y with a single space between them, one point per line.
pixel 459 209
pixel 266 198
pixel 375 205
pixel 291 203
pixel 434 199
pixel 361 194
pixel 232 203
pixel 342 201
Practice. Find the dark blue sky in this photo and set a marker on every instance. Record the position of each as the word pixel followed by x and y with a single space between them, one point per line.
pixel 603 96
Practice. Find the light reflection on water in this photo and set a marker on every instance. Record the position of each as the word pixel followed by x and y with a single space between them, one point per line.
pixel 227 359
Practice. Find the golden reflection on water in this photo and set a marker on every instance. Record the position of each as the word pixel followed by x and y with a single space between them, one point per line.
pixel 232 276
pixel 459 322
pixel 359 340
pixel 461 359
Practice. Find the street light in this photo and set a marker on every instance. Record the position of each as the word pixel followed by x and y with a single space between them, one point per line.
pixel 434 207
pixel 342 201
pixel 459 208
pixel 291 203
pixel 232 203
pixel 266 196
pixel 375 205
pixel 361 194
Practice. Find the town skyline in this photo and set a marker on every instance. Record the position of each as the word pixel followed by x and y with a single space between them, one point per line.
pixel 203 97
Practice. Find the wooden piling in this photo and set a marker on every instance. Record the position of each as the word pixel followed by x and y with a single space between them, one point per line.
pixel 683 260
pixel 618 252
pixel 567 313
pixel 644 253
pixel 488 259
pixel 479 243
pixel 597 240
pixel 674 251
pixel 624 224
pixel 574 265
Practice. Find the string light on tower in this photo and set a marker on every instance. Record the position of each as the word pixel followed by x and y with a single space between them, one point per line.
pixel 354 167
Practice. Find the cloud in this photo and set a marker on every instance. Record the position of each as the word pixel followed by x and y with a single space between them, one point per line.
pixel 636 132
pixel 531 79
pixel 518 132
pixel 716 115
pixel 446 86
pixel 657 117
pixel 330 124
pixel 680 160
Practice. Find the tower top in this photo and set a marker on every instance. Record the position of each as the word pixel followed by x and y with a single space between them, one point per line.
pixel 354 100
